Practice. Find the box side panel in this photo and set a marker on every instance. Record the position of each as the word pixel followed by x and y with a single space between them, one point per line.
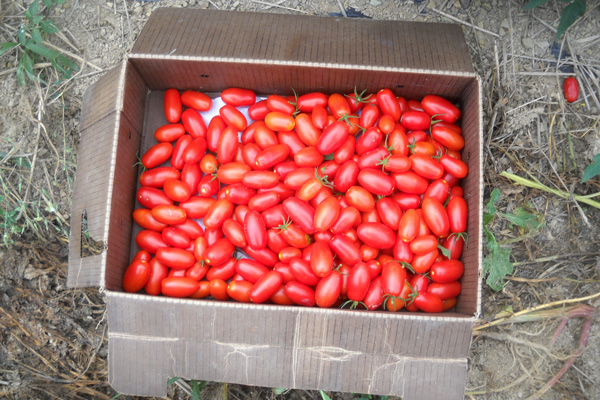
pixel 281 347
pixel 297 39
pixel 469 300
pixel 101 98
pixel 267 79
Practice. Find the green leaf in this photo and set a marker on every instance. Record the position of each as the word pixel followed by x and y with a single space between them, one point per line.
pixel 569 15
pixel 34 8
pixel 36 19
pixel 497 263
pixel 197 389
pixel 592 170
pixel 21 73
pixel 490 207
pixel 324 395
pixel 48 26
pixel 4 47
pixel 28 66
pixel 36 35
pixel 59 1
pixel 48 3
pixel 279 391
pixel 21 36
pixel 534 3
pixel 42 50
pixel 445 252
pixel 524 219
pixel 172 380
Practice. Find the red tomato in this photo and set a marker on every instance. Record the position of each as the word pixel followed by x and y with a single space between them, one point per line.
pixel 360 198
pixel 454 167
pixel 158 272
pixel 346 176
pixel 266 287
pixel 197 271
pixel 440 108
pixel 258 110
pixel 401 251
pixel 156 177
pixel 447 137
pixel 409 226
pixel 338 105
pixel 280 104
pixel 136 276
pixel 421 263
pixel 284 168
pixel 455 244
pixel 277 121
pixel 300 294
pixel 386 124
pixel 169 214
pixel 295 179
pixel 179 286
pixel 397 141
pixel 571 89
pixel 200 246
pixel 307 102
pixel 424 244
pixel 264 137
pixel 274 216
pixel 176 238
pixel 303 272
pixel 157 154
pixel 457 214
pixel 389 212
pixel 427 167
pixel 288 253
pixel 218 252
pixel 214 131
pixel 415 120
pixel 446 271
pixel 264 256
pixel 410 182
pixel 359 280
pixel 234 232
pixel 232 172
pixel 319 118
pixel 369 140
pixel 333 137
pixel 218 289
pixel 375 296
pixel 143 217
pixel 376 235
pixel 328 290
pixel 428 303
pixel 308 157
pixel 444 291
pixel 376 182
pixel 369 116
pixel 194 123
pixel 238 97
pixel 190 228
pixel 393 277
pixel 291 140
pixel 326 213
pixel 172 105
pixel 438 189
pixel 196 100
pixel 321 259
pixel 255 230
pixel 271 156
pixel 386 100
pixel 293 235
pixel 227 145
pixel 175 258
pixel 263 201
pixel 260 179
pixel 196 206
pixel 240 291
pixel 224 270
pixel 345 249
pixel 436 217
pixel 194 151
pixel 302 213
pixel 218 213
pixel 150 197
pixel 177 190
pixel 348 217
pixel 306 130
pixel 169 133
pixel 150 241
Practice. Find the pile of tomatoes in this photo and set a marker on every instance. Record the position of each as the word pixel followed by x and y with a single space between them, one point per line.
pixel 327 200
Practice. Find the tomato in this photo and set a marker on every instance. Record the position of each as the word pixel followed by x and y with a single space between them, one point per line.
pixel 176 190
pixel 427 167
pixel 208 186
pixel 258 110
pixel 444 291
pixel 196 100
pixel 264 137
pixel 436 217
pixel 326 213
pixel 194 123
pixel 424 244
pixel 255 230
pixel 360 198
pixel 260 179
pixel 397 141
pixel 274 216
pixel 393 276
pixel 179 286
pixel 359 280
pixel 238 97
pixel 200 246
pixel 338 105
pixel 447 137
pixel 169 133
pixel 438 189
pixel 212 235
pixel 409 226
pixel 156 177
pixel 446 271
pixel 409 182
pixel 376 235
pixel 307 102
pixel 278 121
pixel 263 201
pixel 175 258
pixel 293 235
pixel 218 289
pixel 271 156
pixel 389 212
pixel 303 272
pixel 375 296
pixel 454 167
pixel 345 249
pixel 214 131
pixel 422 148
pixel 158 272
pixel 157 154
pixel 266 287
pixel 224 270
pixel 232 172
pixel 308 157
pixel 172 105
pixel 227 145
pixel 302 213
pixel 300 294
pixel 369 116
pixel 218 213
pixel 328 170
pixel 348 217
pixel 386 100
pixel 386 124
pixel 415 120
pixel 284 168
pixel 457 214
pixel 376 182
pixel 194 151
pixel 240 291
pixel 328 290
pixel 197 271
pixel 571 89
pixel 264 256
pixel 203 290
pixel 143 217
pixel 275 240
pixel 368 253
pixel 295 179
pixel 234 232
pixel 136 275
pixel 286 254
pixel 321 259
pixel 169 214
pixel 319 118
pixel 332 137
pixel 176 238
pixel 307 132
pixel 196 206
pixel 176 272
pixel 369 140
pixel 346 176
pixel 421 263
pixel 440 108
pixel 310 189
pixel 428 303
pixel 280 104
pixel 455 244
pixel 291 140
pixel 219 252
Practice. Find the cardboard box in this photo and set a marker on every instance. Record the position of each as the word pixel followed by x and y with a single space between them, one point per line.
pixel 415 356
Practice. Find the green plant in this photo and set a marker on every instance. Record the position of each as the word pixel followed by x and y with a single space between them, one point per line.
pixel 31 46
pixel 574 10
pixel 592 170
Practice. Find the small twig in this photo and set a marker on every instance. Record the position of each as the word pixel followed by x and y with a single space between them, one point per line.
pixel 342 9
pixel 465 23
pixel 277 5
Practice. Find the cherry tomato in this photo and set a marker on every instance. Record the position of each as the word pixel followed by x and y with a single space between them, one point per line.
pixel 255 230
pixel 218 212
pixel 444 291
pixel 426 167
pixel 307 102
pixel 376 182
pixel 143 217
pixel 227 145
pixel 280 104
pixel 386 100
pixel 386 124
pixel 393 277
pixel 176 238
pixel 424 244
pixel 326 213
pixel 240 291
pixel 374 297
pixel 436 217
pixel 238 97
pixel 175 258
pixel 455 244
pixel 218 289
pixel 295 179
pixel 409 226
pixel 194 151
pixel 457 214
pixel 263 201
pixel 232 172
pixel 346 176
pixel 260 179
pixel 286 254
pixel 348 217
pixel 421 263
pixel 447 137
pixel 415 120
pixel 319 118
pixel 302 213
pixel 224 270
pixel 264 256
pixel 169 214
pixel 303 272
pixel 571 89
pixel 219 252
pixel 271 156
pixel 258 110
pixel 158 272
pixel 172 105
pixel 360 198
pixel 441 108
pixel 321 259
pixel 369 140
pixel 197 271
pixel 284 168
pixel 308 157
pixel 300 294
pixel 345 249
pixel 196 206
pixel 397 141
pixel 196 100
pixel 157 154
pixel 136 276
pixel 156 177
pixel 293 235
pixel 169 133
pixel 291 140
pixel 359 280
pixel 179 286
pixel 454 167
pixel 328 290
pixel 266 287
pixel 332 137
pixel 389 212
pixel 194 123
pixel 446 271
pixel 274 216
pixel 338 105
pixel 410 182
pixel 376 235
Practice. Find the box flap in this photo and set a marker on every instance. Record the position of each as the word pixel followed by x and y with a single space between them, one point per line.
pixel 413 356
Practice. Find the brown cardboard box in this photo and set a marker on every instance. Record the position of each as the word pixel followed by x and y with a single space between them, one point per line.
pixel 415 356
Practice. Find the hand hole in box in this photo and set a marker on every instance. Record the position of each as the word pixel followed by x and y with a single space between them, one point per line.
pixel 399 86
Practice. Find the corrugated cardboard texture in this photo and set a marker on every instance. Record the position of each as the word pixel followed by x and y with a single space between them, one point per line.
pixel 382 353
pixel 153 338
pixel 110 139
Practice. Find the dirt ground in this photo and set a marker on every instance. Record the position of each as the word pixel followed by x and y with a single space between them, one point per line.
pixel 53 338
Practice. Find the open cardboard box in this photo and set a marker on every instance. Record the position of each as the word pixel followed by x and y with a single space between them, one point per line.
pixel 415 356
